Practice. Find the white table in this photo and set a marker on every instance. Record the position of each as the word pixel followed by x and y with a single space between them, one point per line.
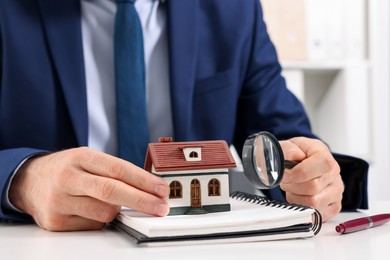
pixel 31 242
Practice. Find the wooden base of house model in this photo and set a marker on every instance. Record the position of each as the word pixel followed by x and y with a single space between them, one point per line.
pixel 196 172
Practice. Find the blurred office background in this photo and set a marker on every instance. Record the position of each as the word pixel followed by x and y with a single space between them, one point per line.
pixel 336 59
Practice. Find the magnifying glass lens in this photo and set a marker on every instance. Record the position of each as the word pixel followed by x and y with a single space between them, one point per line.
pixel 263 160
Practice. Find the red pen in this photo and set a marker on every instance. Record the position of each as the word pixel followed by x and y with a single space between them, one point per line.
pixel 362 223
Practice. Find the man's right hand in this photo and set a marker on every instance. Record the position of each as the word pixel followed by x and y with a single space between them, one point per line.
pixel 82 189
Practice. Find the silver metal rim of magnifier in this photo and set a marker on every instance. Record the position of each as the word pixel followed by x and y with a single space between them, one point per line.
pixel 250 164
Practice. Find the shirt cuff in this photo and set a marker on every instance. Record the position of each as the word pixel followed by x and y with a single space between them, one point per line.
pixel 6 203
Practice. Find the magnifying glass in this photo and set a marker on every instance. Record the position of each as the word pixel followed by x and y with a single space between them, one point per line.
pixel 263 160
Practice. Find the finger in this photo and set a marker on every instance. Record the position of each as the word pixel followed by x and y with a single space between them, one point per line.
pixel 311 168
pixel 330 194
pixel 310 187
pixel 118 193
pixel 303 172
pixel 108 166
pixel 303 182
pixel 328 202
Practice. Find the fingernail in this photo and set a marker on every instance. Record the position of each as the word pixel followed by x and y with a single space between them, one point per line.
pixel 161 190
pixel 162 209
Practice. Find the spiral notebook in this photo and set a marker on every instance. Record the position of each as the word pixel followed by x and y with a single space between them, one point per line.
pixel 252 218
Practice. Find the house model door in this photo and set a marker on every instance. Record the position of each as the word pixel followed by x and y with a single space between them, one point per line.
pixel 195 194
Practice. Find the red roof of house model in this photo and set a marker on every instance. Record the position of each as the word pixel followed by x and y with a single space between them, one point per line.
pixel 169 156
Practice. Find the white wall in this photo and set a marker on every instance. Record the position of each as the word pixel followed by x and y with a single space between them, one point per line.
pixel 379 50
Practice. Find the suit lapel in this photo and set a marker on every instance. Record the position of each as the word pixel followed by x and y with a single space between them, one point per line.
pixel 182 28
pixel 62 22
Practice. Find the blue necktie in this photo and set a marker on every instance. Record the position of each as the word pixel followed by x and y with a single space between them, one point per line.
pixel 132 124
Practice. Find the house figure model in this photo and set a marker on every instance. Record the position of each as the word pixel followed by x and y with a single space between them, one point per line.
pixel 196 172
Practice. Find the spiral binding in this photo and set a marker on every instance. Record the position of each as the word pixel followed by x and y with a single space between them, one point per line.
pixel 264 201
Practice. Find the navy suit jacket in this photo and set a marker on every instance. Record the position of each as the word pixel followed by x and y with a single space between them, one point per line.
pixel 225 77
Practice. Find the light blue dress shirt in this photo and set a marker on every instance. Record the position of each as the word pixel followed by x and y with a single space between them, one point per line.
pixel 98 18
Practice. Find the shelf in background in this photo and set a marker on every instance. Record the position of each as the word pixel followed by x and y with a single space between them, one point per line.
pixel 335 95
pixel 322 65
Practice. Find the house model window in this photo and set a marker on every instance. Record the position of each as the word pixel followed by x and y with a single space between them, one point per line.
pixel 176 190
pixel 192 154
pixel 214 188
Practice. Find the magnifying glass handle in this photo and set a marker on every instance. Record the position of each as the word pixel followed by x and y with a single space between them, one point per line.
pixel 290 164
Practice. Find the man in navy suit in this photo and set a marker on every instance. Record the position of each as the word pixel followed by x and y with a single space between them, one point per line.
pixel 212 73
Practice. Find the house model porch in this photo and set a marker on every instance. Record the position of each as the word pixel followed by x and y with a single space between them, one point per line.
pixel 196 172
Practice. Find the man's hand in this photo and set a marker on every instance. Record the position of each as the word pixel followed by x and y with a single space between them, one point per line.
pixel 316 180
pixel 82 189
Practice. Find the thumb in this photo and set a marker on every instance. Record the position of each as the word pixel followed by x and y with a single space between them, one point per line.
pixel 291 151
